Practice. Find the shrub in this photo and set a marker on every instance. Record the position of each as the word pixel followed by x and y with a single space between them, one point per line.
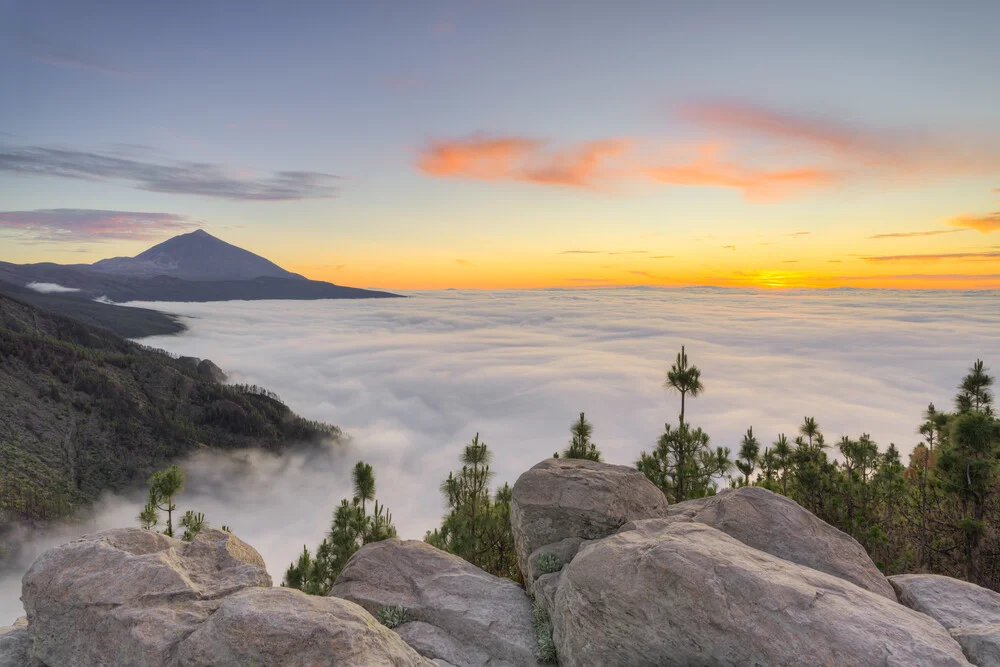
pixel 392 617
pixel 548 563
pixel 545 647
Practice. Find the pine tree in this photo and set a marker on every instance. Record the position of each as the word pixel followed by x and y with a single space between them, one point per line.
pixel 580 446
pixel 749 451
pixel 350 528
pixel 477 526
pixel 684 379
pixel 163 486
pixel 683 465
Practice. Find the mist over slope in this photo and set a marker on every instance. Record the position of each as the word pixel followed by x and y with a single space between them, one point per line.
pixel 412 380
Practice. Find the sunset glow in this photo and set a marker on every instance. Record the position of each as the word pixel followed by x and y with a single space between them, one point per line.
pixel 469 158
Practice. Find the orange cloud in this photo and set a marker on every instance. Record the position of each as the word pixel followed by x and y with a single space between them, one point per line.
pixel 981 223
pixel 522 159
pixel 756 184
pixel 906 235
pixel 748 118
pixel 935 257
pixel 857 152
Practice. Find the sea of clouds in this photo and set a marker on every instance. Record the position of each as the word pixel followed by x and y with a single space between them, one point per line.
pixel 413 380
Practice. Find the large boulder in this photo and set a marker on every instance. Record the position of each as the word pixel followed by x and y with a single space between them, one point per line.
pixel 455 611
pixel 15 645
pixel 680 593
pixel 970 612
pixel 781 527
pixel 128 596
pixel 281 627
pixel 564 498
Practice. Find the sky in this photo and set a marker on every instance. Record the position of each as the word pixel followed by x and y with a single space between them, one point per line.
pixel 486 145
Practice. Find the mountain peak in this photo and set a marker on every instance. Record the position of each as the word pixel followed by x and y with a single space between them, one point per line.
pixel 196 255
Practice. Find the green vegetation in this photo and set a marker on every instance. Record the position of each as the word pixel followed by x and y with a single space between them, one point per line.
pixel 477 526
pixel 580 446
pixel 164 485
pixel 545 646
pixel 683 465
pixel 352 527
pixel 392 616
pixel 939 513
pixel 548 563
pixel 86 411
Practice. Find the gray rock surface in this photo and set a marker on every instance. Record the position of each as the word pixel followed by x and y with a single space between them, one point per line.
pixel 561 498
pixel 970 612
pixel 781 527
pixel 564 550
pixel 981 643
pixel 459 613
pixel 280 627
pixel 128 596
pixel 15 646
pixel 680 593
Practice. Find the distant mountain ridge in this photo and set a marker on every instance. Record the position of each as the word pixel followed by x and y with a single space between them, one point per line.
pixel 194 256
pixel 190 267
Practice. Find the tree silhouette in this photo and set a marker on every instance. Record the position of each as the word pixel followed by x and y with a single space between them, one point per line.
pixel 684 379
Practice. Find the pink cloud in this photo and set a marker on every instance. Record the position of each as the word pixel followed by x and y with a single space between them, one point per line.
pixel 82 225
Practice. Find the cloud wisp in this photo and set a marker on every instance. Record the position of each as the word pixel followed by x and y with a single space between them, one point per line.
pixel 766 155
pixel 906 235
pixel 83 225
pixel 188 178
pixel 987 223
pixel 522 159
pixel 936 256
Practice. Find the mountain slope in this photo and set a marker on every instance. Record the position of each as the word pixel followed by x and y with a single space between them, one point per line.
pixel 189 267
pixel 125 321
pixel 86 411
pixel 194 256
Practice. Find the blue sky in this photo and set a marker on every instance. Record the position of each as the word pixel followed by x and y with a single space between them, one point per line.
pixel 361 91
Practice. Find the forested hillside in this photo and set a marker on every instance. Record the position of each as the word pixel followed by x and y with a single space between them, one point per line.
pixel 85 411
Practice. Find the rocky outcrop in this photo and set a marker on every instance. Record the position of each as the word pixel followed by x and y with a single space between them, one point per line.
pixel 208 371
pixel 280 627
pixel 678 593
pixel 970 612
pixel 129 596
pixel 15 646
pixel 456 612
pixel 781 527
pixel 564 498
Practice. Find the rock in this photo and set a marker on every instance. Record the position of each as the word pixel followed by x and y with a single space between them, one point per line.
pixel 561 498
pixel 680 593
pixel 981 643
pixel 564 550
pixel 458 613
pixel 15 646
pixel 970 612
pixel 278 627
pixel 207 370
pixel 128 596
pixel 545 589
pixel 781 527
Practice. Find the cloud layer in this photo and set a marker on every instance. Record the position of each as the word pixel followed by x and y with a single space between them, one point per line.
pixel 189 178
pixel 413 380
pixel 84 224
